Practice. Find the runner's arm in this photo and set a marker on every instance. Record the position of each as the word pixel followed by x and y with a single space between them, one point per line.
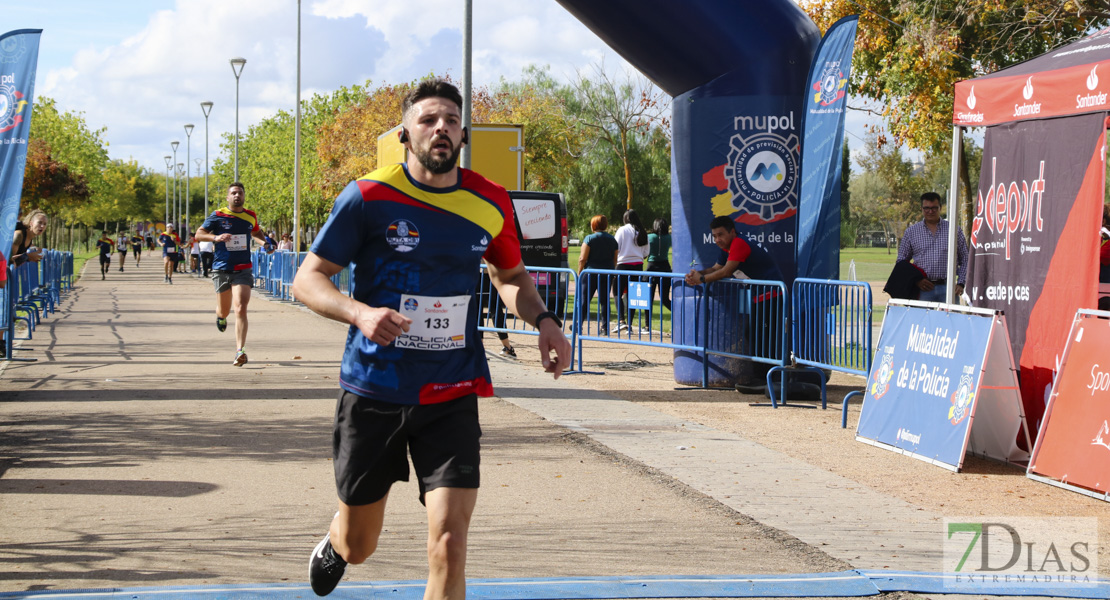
pixel 518 291
pixel 313 287
pixel 203 235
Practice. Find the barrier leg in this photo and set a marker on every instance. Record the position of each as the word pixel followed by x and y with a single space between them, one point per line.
pixel 844 408
pixel 785 371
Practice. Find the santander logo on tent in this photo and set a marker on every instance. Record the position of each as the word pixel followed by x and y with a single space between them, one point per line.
pixel 1091 100
pixel 970 117
pixel 1029 108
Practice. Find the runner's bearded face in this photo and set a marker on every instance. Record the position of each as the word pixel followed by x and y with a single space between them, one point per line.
pixel 436 122
pixel 236 198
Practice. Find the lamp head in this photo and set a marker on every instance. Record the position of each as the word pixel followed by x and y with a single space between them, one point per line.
pixel 174 144
pixel 206 107
pixel 168 159
pixel 189 130
pixel 237 65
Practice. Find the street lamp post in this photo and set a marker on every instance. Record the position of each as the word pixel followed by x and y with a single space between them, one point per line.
pixel 188 148
pixel 206 107
pixel 174 144
pixel 237 65
pixel 181 172
pixel 168 163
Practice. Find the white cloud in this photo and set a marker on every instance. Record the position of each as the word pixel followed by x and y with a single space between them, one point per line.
pixel 146 85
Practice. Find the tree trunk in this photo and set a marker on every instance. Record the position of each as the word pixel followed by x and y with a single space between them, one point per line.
pixel 627 168
pixel 969 196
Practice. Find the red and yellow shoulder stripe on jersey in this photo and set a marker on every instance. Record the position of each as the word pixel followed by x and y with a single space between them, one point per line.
pixel 476 199
pixel 247 215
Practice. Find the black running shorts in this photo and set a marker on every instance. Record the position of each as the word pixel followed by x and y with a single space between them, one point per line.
pixel 372 441
pixel 105 259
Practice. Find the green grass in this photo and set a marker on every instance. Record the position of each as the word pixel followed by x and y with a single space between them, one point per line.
pixel 79 259
pixel 872 264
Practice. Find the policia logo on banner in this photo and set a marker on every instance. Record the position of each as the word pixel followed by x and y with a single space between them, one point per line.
pixel 762 171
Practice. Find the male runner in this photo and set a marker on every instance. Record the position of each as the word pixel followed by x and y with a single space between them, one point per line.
pixel 414 235
pixel 105 245
pixel 169 242
pixel 232 228
pixel 121 247
pixel 136 247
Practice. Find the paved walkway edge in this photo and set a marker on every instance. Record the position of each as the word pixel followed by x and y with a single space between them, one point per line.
pixel 841 584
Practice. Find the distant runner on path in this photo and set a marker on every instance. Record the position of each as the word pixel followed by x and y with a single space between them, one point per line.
pixel 105 245
pixel 231 228
pixel 136 247
pixel 169 242
pixel 122 241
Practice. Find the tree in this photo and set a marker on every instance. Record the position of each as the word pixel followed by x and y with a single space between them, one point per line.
pixel 910 54
pixel 888 190
pixel 552 143
pixel 848 226
pixel 67 143
pixel 617 110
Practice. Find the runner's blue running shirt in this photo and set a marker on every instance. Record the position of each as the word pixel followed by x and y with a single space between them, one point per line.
pixel 417 250
pixel 234 254
pixel 169 242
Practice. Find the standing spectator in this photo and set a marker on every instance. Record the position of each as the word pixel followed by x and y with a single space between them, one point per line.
pixel 742 260
pixel 194 254
pixel 632 248
pixel 32 226
pixel 599 251
pixel 286 242
pixel 207 253
pixel 105 245
pixel 659 247
pixel 926 244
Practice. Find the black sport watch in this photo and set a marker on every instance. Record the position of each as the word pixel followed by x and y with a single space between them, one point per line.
pixel 548 315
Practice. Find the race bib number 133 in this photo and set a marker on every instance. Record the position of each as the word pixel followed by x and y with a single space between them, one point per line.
pixel 438 322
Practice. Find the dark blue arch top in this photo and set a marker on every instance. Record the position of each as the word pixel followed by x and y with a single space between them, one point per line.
pixel 683 44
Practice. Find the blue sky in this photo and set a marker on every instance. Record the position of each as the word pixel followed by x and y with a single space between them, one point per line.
pixel 140 68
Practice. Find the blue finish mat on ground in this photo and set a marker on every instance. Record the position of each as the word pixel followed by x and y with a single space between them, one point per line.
pixel 840 584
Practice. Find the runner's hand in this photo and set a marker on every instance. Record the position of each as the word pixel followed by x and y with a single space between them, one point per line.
pixel 382 325
pixel 552 339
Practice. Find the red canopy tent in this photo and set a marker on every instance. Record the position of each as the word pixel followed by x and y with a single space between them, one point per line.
pixel 1035 233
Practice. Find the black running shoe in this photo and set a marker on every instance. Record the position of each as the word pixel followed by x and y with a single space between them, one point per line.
pixel 325 568
pixel 221 323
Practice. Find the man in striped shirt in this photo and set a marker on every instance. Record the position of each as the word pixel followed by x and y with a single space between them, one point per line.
pixel 926 244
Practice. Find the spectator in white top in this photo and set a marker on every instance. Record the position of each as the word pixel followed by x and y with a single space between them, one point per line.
pixel 286 242
pixel 207 253
pixel 632 249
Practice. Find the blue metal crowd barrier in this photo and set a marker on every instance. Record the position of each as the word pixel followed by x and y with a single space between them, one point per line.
pixel 828 322
pixel 832 330
pixel 553 284
pixel 749 318
pixel 274 273
pixel 32 292
pixel 639 321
